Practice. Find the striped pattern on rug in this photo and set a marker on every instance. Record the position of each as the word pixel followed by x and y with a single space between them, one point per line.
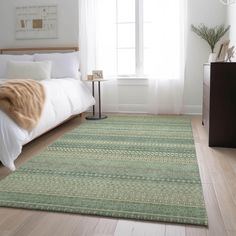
pixel 136 167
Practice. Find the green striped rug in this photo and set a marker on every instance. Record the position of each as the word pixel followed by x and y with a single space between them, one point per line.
pixel 137 167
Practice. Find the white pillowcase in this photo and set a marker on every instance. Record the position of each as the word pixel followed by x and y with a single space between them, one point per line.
pixel 5 58
pixel 29 70
pixel 64 65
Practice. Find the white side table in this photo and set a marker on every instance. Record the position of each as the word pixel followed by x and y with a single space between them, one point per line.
pixel 95 116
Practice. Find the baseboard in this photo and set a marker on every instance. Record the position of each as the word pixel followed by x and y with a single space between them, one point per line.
pixel 192 110
pixel 142 108
pixel 125 108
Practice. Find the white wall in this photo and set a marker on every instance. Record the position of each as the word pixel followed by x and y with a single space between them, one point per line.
pixel 132 96
pixel 211 13
pixel 231 20
pixel 67 24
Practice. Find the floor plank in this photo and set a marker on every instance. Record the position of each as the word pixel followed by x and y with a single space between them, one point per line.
pixel 11 222
pixel 105 227
pixel 175 230
pixel 225 162
pixel 203 169
pixel 133 228
pixel 86 226
pixel 231 233
pixel 196 231
pixel 216 225
pixel 26 229
pixel 5 233
pixel 222 191
pixel 226 203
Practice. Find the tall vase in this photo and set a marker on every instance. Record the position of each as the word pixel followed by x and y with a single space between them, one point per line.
pixel 212 57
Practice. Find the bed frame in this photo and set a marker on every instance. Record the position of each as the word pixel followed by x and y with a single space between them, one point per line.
pixel 37 50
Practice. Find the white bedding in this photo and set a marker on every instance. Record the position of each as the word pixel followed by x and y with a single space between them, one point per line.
pixel 64 98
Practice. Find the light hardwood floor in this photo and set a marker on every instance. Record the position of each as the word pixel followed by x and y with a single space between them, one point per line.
pixel 218 173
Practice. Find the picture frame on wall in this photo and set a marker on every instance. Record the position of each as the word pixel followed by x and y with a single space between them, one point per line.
pixel 90 77
pixel 36 22
pixel 223 51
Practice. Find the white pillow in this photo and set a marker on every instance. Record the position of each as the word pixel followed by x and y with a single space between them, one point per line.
pixel 29 70
pixel 5 58
pixel 63 64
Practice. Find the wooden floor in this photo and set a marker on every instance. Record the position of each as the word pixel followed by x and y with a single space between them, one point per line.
pixel 218 174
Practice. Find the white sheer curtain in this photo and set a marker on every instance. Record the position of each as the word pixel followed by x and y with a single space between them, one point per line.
pixel 97 45
pixel 166 83
pixel 87 36
pixel 163 48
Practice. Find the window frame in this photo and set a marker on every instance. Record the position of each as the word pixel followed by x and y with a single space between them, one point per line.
pixel 139 45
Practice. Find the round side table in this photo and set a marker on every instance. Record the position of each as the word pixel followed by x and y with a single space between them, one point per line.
pixel 95 116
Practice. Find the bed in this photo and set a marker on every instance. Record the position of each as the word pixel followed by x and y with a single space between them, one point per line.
pixel 66 96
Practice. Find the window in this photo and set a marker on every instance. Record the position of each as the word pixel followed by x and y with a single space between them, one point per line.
pixel 126 37
pixel 139 38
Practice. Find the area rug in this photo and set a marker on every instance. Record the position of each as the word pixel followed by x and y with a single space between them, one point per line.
pixel 136 167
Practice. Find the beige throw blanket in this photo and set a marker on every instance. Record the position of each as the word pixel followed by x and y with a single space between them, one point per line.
pixel 22 100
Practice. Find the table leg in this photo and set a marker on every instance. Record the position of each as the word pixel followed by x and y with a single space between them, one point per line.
pixel 93 96
pixel 99 116
pixel 99 100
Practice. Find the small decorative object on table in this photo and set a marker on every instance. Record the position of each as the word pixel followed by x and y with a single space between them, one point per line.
pixel 230 53
pixel 223 51
pixel 98 74
pixel 227 2
pixel 211 36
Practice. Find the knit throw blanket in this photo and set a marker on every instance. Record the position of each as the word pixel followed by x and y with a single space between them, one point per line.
pixel 22 100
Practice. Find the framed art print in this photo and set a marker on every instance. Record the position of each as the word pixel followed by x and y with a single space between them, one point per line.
pixel 36 22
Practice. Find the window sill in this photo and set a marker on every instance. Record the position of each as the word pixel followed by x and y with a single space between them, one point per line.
pixel 132 78
pixel 128 78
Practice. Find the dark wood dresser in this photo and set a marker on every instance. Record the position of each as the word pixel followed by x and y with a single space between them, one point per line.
pixel 219 103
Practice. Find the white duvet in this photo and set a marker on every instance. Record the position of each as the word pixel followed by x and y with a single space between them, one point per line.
pixel 64 98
